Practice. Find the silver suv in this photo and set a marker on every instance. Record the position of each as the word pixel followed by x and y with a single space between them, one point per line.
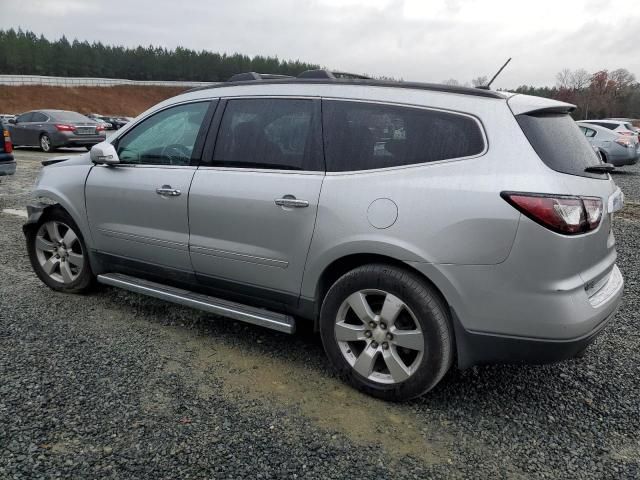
pixel 415 225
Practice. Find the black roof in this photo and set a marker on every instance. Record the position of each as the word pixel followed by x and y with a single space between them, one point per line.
pixel 332 78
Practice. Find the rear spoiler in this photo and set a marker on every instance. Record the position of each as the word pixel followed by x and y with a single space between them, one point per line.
pixel 527 104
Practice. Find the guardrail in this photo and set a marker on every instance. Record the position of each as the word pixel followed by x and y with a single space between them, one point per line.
pixel 16 80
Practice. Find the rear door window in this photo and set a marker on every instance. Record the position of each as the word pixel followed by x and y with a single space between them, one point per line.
pixel 364 136
pixel 266 133
pixel 559 143
pixel 39 117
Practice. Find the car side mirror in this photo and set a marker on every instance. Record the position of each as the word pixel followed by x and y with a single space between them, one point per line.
pixel 104 153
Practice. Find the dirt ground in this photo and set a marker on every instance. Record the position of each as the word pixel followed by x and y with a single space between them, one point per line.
pixel 120 100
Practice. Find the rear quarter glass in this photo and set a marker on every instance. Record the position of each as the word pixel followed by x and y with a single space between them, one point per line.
pixel 559 143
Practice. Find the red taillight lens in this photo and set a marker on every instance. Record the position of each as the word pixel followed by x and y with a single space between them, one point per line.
pixel 99 128
pixel 593 207
pixel 8 146
pixel 624 141
pixel 64 128
pixel 560 213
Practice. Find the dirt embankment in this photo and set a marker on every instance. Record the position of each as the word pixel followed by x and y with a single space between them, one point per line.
pixel 119 100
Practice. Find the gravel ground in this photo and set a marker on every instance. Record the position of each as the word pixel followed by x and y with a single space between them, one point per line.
pixel 116 385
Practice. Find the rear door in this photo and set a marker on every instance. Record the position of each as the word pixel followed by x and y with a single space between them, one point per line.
pixel 36 126
pixel 253 202
pixel 138 209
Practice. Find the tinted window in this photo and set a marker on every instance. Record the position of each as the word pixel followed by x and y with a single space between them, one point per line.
pixel 166 138
pixel 39 117
pixel 269 133
pixel 610 126
pixel 362 136
pixel 559 143
pixel 25 117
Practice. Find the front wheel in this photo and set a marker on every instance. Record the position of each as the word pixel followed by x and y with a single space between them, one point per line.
pixel 58 253
pixel 387 332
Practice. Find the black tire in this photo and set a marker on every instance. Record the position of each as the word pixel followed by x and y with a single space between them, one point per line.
pixel 85 279
pixel 45 143
pixel 88 147
pixel 429 310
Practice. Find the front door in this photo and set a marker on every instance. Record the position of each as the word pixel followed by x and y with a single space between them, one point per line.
pixel 253 205
pixel 20 130
pixel 138 209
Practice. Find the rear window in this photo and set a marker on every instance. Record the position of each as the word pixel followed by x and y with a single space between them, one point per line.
pixel 69 117
pixel 559 143
pixel 364 136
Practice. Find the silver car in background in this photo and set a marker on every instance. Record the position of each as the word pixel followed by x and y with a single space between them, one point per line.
pixel 413 225
pixel 616 149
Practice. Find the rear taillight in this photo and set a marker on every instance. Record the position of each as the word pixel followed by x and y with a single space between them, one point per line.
pixel 625 141
pixel 8 146
pixel 99 128
pixel 65 128
pixel 563 214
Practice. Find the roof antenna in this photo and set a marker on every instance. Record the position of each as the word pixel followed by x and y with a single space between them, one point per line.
pixel 488 85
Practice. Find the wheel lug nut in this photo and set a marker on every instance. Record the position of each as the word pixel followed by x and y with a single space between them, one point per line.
pixel 383 326
pixel 389 336
pixel 372 324
pixel 374 344
pixel 385 346
pixel 367 333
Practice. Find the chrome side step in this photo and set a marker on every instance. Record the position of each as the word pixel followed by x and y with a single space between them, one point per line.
pixel 224 308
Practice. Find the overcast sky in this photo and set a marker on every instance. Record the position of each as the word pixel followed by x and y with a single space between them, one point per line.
pixel 424 40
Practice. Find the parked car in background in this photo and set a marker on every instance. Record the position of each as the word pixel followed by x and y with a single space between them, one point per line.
pixel 378 211
pixel 7 162
pixel 623 127
pixel 614 147
pixel 100 119
pixel 51 129
pixel 113 122
pixel 5 117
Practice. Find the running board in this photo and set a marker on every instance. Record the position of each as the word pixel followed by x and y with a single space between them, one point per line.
pixel 224 308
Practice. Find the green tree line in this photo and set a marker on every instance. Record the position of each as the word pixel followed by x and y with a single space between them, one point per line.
pixel 25 53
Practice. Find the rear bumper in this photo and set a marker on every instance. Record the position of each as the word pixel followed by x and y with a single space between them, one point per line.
pixel 64 139
pixel 7 164
pixel 627 156
pixel 481 348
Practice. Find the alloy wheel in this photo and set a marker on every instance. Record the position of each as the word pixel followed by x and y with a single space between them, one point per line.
pixel 379 336
pixel 59 251
pixel 45 143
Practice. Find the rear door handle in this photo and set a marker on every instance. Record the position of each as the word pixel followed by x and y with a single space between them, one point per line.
pixel 290 201
pixel 168 191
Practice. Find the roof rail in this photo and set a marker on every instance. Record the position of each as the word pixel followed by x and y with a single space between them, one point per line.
pixel 323 73
pixel 248 76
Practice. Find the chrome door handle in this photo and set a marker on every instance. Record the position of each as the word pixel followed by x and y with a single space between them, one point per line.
pixel 290 201
pixel 168 191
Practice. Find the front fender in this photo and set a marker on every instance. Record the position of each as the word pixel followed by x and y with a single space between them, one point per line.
pixel 63 184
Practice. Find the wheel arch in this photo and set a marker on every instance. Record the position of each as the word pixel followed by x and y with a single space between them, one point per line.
pixel 342 265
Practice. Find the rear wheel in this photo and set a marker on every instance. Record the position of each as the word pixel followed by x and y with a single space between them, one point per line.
pixel 45 143
pixel 387 332
pixel 58 253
